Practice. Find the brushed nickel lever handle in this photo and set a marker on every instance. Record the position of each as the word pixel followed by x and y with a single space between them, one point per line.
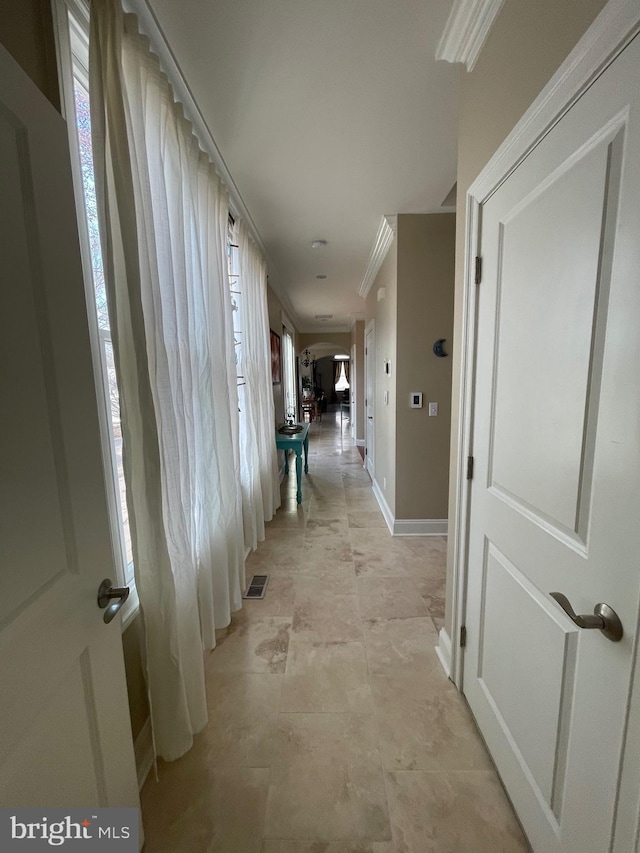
pixel 111 597
pixel 604 617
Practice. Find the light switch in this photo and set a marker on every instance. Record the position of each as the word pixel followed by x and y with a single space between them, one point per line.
pixel 386 398
pixel 415 399
pixel 433 410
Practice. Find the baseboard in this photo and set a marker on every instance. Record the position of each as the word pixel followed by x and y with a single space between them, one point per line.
pixel 409 526
pixel 443 650
pixel 420 527
pixel 143 751
pixel 360 442
pixel 384 506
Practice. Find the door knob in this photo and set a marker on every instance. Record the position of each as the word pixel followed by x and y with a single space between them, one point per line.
pixel 111 597
pixel 604 617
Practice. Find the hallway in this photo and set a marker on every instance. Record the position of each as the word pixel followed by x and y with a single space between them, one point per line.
pixel 332 728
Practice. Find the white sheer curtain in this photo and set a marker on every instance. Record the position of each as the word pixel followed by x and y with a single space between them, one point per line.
pixel 259 467
pixel 163 219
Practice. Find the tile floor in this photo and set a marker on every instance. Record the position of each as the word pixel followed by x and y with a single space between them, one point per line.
pixel 332 728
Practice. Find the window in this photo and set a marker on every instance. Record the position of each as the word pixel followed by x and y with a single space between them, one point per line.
pixel 289 371
pixel 77 20
pixel 236 303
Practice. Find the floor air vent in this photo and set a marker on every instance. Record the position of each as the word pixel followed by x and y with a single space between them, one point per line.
pixel 257 587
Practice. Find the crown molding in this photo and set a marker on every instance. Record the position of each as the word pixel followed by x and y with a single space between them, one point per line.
pixel 466 30
pixel 384 239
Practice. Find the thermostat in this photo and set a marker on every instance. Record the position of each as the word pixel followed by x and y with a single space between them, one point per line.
pixel 416 399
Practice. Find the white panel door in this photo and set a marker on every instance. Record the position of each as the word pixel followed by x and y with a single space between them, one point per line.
pixel 369 393
pixel 353 378
pixel 555 499
pixel 65 738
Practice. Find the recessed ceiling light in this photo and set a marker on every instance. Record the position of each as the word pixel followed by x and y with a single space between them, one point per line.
pixel 321 276
pixel 318 244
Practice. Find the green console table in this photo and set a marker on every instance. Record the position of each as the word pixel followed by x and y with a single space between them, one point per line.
pixel 295 442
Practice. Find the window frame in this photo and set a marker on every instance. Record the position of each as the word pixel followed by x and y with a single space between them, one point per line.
pixel 71 25
pixel 289 381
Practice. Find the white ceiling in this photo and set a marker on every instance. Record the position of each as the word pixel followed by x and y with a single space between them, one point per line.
pixel 328 114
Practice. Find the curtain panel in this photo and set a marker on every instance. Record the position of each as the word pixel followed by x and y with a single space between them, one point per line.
pixel 259 460
pixel 163 213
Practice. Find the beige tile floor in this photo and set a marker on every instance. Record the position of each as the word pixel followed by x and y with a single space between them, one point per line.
pixel 332 728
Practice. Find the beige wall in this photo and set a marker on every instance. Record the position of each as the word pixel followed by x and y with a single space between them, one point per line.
pixel 426 253
pixel 527 44
pixel 357 338
pixel 26 30
pixel 384 312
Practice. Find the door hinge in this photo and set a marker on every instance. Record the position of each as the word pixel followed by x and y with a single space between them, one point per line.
pixel 366 452
pixel 366 350
pixel 478 270
pixel 463 637
pixel 469 467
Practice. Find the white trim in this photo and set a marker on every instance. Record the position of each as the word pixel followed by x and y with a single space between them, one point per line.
pixel 443 650
pixel 466 30
pixel 465 424
pixel 384 506
pixel 150 26
pixel 287 323
pixel 384 239
pixel 420 527
pixel 408 526
pixel 612 30
pixel 143 751
pixel 360 442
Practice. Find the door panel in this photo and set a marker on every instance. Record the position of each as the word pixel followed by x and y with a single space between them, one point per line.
pixel 370 390
pixel 544 367
pixel 535 681
pixel 65 738
pixel 555 499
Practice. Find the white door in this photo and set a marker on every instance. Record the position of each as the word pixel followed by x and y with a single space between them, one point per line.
pixel 555 498
pixel 369 394
pixel 65 738
pixel 353 378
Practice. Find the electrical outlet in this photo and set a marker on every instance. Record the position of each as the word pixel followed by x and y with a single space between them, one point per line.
pixel 433 410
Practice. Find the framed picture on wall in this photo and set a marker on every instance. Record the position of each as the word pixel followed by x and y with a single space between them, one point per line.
pixel 275 358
